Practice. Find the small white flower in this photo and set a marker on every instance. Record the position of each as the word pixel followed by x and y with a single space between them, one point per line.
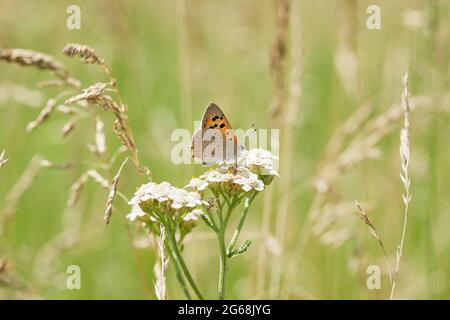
pixel 182 198
pixel 159 193
pixel 136 211
pixel 217 176
pixel 197 184
pixel 154 191
pixel 249 181
pixel 241 176
pixel 194 215
pixel 259 160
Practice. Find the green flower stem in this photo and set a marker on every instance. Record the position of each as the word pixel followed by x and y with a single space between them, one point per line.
pixel 222 249
pixel 236 233
pixel 180 276
pixel 220 230
pixel 213 221
pixel 223 262
pixel 178 258
pixel 231 205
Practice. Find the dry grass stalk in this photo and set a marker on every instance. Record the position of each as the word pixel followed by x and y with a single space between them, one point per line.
pixel 100 136
pixel 365 218
pixel 86 53
pixel 404 175
pixel 39 60
pixel 93 95
pixel 13 196
pixel 363 145
pixel 98 178
pixel 23 183
pixel 65 109
pixel 330 215
pixel 75 190
pixel 61 166
pixel 33 58
pixel 278 59
pixel 342 132
pixel 50 83
pixel 59 83
pixel 77 187
pixel 12 92
pixel 120 150
pixel 89 56
pixel 336 237
pixel 43 115
pixel 2 159
pixel 112 193
pixel 291 119
pixel 68 127
pixel 346 54
pixel 278 72
pixel 368 136
pixel 160 268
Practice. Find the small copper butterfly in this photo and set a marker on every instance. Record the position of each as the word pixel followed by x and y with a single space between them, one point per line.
pixel 215 141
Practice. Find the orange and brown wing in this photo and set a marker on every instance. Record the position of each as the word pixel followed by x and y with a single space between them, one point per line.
pixel 214 118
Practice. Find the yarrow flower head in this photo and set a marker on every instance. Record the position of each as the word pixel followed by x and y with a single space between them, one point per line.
pixel 182 198
pixel 260 162
pixel 162 198
pixel 232 180
pixel 221 174
pixel 249 181
pixel 197 184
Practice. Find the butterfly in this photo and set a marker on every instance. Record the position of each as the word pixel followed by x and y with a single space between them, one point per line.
pixel 215 141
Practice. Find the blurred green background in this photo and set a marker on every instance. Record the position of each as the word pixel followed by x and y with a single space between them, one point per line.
pixel 171 58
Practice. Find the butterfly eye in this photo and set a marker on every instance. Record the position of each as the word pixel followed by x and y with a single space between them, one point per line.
pixel 222 125
pixel 221 118
pixel 215 125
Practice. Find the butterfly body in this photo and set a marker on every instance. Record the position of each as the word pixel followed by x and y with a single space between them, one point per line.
pixel 215 141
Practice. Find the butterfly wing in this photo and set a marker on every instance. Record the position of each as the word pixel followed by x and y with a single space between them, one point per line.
pixel 208 146
pixel 215 141
pixel 214 118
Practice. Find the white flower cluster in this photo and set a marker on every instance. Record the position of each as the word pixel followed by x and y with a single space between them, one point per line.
pixel 255 169
pixel 259 161
pixel 197 184
pixel 162 195
pixel 238 179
